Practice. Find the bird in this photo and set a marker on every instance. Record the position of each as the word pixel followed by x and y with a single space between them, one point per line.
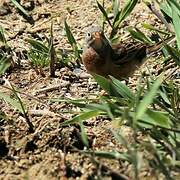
pixel 120 60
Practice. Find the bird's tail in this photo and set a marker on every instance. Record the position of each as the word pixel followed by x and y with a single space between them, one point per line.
pixel 158 46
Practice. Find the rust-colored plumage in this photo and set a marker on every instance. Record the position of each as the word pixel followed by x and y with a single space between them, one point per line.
pixel 120 60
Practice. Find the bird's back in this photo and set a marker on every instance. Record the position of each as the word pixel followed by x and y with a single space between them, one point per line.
pixel 126 59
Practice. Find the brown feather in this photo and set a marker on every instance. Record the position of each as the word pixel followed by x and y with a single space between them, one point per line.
pixel 119 60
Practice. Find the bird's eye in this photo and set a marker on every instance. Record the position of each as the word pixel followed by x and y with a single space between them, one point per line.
pixel 89 34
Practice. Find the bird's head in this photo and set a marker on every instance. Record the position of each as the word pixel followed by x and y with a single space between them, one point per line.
pixel 95 38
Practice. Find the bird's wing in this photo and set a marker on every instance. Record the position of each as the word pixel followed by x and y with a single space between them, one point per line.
pixel 124 53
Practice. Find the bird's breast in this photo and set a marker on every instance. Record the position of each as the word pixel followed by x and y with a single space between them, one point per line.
pixel 93 62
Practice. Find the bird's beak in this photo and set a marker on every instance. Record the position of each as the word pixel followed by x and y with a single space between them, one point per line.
pixel 97 35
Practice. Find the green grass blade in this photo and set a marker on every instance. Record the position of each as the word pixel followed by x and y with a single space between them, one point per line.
pixel 164 96
pixel 121 139
pixel 139 35
pixel 176 23
pixel 72 40
pixel 122 89
pixel 175 4
pixel 2 36
pixel 114 87
pixel 20 7
pixel 109 155
pixel 148 98
pixel 127 9
pixel 83 116
pixel 105 107
pixel 150 27
pixel 166 8
pixel 84 136
pixel 4 64
pixel 69 35
pixel 105 84
pixel 81 103
pixel 116 4
pixel 174 53
pixel 15 103
pixel 158 118
pixel 116 19
pixel 104 12
pixel 38 45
